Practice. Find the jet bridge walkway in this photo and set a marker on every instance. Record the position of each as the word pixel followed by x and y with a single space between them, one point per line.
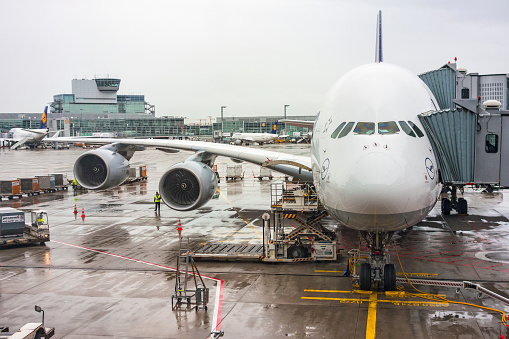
pixel 471 145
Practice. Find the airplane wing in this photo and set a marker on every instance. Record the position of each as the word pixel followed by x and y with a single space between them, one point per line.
pixel 299 123
pixel 294 165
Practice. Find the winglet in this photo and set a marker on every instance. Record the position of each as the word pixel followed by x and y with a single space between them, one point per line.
pixel 44 118
pixel 379 50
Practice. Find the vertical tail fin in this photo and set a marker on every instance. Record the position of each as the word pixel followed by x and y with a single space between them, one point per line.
pixel 379 50
pixel 274 128
pixel 44 118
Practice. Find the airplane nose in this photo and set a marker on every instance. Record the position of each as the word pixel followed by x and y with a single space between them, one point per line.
pixel 377 185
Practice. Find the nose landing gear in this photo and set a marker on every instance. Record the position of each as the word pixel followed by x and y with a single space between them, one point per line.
pixel 377 270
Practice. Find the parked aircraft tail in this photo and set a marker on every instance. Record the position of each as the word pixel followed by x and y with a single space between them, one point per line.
pixel 379 50
pixel 274 128
pixel 44 118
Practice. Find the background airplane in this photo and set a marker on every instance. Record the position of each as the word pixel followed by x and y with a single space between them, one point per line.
pixel 257 137
pixel 372 166
pixel 30 137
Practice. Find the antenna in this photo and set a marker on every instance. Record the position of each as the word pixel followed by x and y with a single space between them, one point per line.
pixel 379 49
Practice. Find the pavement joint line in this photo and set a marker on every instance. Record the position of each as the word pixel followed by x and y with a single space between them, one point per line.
pixel 218 307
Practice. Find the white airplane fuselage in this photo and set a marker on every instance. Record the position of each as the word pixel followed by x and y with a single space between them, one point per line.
pixel 256 137
pixel 33 135
pixel 375 179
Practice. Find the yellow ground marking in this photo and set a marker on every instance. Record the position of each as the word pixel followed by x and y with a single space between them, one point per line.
pixel 418 274
pixel 373 301
pixel 325 271
pixel 240 215
pixel 398 273
pixel 371 323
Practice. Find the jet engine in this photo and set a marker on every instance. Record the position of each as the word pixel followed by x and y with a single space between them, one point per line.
pixel 101 169
pixel 188 185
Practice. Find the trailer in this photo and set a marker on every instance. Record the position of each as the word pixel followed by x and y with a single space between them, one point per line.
pixel 46 183
pixel 136 174
pixel 10 189
pixel 30 330
pixel 15 232
pixel 29 186
pixel 234 172
pixel 265 173
pixel 61 182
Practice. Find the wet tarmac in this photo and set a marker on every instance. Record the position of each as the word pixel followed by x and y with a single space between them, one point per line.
pixel 113 273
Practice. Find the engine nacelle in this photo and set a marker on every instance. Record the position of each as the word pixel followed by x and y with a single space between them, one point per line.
pixel 101 169
pixel 188 185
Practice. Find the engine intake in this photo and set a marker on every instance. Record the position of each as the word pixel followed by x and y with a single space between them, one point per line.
pixel 101 169
pixel 188 185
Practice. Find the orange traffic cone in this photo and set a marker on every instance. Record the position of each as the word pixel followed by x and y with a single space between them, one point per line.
pixel 83 213
pixel 179 229
pixel 75 210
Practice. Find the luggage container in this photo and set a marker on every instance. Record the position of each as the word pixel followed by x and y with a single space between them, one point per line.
pixel 234 172
pixel 46 183
pixel 60 181
pixel 265 172
pixel 10 189
pixel 29 186
pixel 143 172
pixel 12 222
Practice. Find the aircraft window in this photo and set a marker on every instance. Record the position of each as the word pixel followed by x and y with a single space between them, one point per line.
pixel 364 128
pixel 406 128
pixel 388 127
pixel 491 143
pixel 416 129
pixel 337 130
pixel 346 130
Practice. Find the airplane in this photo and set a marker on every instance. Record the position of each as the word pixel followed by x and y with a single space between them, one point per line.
pixel 260 138
pixel 30 137
pixel 371 163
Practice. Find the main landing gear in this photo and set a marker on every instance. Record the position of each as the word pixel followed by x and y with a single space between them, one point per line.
pixel 455 203
pixel 377 270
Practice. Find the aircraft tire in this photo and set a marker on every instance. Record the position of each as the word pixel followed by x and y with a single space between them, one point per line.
pixel 462 206
pixel 446 206
pixel 389 277
pixel 365 277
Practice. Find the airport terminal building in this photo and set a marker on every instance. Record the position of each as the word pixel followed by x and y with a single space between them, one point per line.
pixel 94 106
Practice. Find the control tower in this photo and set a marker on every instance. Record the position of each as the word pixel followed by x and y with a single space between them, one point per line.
pixel 95 91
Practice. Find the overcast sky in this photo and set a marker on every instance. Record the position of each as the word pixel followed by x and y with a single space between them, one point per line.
pixel 191 57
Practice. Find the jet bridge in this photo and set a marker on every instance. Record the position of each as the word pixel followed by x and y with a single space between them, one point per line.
pixel 471 144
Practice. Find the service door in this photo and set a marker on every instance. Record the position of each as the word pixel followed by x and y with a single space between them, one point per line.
pixel 487 149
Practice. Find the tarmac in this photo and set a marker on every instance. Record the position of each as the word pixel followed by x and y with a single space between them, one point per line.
pixel 112 274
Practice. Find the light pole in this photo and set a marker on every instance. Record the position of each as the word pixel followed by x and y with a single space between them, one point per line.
pixel 285 116
pixel 81 122
pixel 222 124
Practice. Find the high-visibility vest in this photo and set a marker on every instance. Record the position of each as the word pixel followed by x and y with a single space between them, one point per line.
pixel 157 198
pixel 74 182
pixel 40 221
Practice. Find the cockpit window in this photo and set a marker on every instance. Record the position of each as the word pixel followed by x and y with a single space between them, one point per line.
pixel 388 127
pixel 346 130
pixel 416 129
pixel 364 128
pixel 406 128
pixel 337 130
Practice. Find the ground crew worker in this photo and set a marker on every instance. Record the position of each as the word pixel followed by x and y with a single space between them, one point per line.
pixel 157 201
pixel 74 184
pixel 40 219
